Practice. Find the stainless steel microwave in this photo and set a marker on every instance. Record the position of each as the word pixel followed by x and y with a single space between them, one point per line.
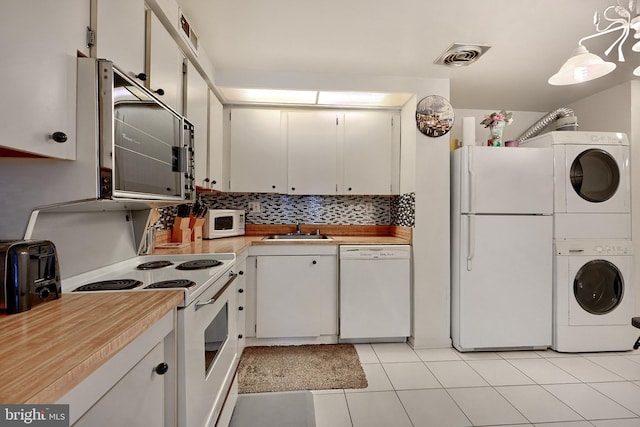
pixel 145 148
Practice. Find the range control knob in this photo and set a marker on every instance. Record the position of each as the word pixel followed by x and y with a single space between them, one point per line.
pixel 44 293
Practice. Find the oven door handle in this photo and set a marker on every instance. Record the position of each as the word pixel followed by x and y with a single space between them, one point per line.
pixel 210 301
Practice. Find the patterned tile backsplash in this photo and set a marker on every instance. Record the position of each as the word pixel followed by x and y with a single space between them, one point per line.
pixel 287 209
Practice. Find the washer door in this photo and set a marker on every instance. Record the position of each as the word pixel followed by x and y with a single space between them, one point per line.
pixel 598 287
pixel 595 175
pixel 598 293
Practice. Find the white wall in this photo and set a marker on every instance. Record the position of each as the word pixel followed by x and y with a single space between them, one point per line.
pixel 617 109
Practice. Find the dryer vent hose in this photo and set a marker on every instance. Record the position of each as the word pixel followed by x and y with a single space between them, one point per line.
pixel 564 116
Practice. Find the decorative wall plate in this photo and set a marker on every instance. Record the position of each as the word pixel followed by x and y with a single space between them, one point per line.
pixel 434 116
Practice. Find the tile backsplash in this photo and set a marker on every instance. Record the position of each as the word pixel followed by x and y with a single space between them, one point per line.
pixel 287 209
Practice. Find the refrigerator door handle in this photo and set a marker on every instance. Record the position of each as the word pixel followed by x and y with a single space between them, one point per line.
pixel 472 184
pixel 471 249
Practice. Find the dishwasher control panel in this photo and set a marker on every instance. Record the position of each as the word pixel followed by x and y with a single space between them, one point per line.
pixel 375 252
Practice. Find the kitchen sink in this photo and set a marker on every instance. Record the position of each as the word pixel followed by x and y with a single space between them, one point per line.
pixel 297 236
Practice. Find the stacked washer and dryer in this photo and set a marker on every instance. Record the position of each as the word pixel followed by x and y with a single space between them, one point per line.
pixel 593 290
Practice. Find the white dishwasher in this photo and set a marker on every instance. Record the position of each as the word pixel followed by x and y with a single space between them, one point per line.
pixel 375 291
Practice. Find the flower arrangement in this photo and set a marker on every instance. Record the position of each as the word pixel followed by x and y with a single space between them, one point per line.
pixel 496 118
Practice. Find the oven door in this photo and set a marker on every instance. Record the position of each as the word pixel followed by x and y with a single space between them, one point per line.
pixel 207 353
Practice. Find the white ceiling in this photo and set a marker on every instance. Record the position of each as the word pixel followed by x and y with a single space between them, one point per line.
pixel 530 40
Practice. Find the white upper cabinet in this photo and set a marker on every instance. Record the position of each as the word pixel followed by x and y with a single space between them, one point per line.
pixel 257 161
pixel 217 171
pixel 39 41
pixel 371 152
pixel 312 143
pixel 165 66
pixel 197 113
pixel 119 27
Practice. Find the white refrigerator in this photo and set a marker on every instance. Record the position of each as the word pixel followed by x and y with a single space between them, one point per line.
pixel 501 248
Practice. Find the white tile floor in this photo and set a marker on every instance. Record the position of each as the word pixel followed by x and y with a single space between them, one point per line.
pixel 445 388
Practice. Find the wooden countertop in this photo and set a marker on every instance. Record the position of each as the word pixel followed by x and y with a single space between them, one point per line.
pixel 340 235
pixel 53 347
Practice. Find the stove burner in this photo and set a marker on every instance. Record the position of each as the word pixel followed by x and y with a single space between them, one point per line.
pixel 109 285
pixel 175 283
pixel 154 265
pixel 199 264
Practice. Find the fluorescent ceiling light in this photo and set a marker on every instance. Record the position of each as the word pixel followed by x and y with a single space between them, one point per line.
pixel 363 99
pixel 313 97
pixel 270 96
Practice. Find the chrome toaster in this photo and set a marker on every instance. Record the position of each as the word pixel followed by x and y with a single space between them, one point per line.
pixel 30 274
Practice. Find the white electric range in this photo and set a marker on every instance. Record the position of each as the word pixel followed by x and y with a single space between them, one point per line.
pixel 206 330
pixel 193 273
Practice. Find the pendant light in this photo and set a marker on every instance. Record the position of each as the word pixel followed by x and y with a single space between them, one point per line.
pixel 583 65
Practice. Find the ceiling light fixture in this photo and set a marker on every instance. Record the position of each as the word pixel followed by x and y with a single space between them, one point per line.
pixel 583 65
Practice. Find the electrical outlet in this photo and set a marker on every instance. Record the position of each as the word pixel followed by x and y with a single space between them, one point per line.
pixel 368 207
pixel 254 207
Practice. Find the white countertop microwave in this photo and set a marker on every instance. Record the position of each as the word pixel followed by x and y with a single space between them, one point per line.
pixel 223 223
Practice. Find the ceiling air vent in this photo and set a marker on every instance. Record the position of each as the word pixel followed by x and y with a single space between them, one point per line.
pixel 461 55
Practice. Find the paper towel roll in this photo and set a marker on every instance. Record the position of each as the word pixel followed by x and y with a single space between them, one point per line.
pixel 469 131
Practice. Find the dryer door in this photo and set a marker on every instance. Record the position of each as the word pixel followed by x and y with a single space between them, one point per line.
pixel 598 291
pixel 597 179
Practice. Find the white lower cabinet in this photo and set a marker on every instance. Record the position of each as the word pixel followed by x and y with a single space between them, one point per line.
pixel 135 388
pixel 296 294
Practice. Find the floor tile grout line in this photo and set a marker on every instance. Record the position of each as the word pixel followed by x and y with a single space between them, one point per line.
pixel 600 366
pixel 548 361
pixel 611 399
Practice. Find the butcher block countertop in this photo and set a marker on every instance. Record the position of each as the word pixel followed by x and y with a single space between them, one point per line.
pixel 53 347
pixel 340 235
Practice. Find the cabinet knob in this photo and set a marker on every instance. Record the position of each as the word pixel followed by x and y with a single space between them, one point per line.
pixel 240 336
pixel 241 308
pixel 142 76
pixel 349 188
pixel 159 91
pixel 162 368
pixel 314 262
pixel 293 188
pixel 58 137
pixel 206 180
pixel 240 290
pixel 240 272
pixel 273 186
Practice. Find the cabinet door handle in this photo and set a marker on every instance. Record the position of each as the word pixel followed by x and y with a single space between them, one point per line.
pixel 59 137
pixel 162 368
